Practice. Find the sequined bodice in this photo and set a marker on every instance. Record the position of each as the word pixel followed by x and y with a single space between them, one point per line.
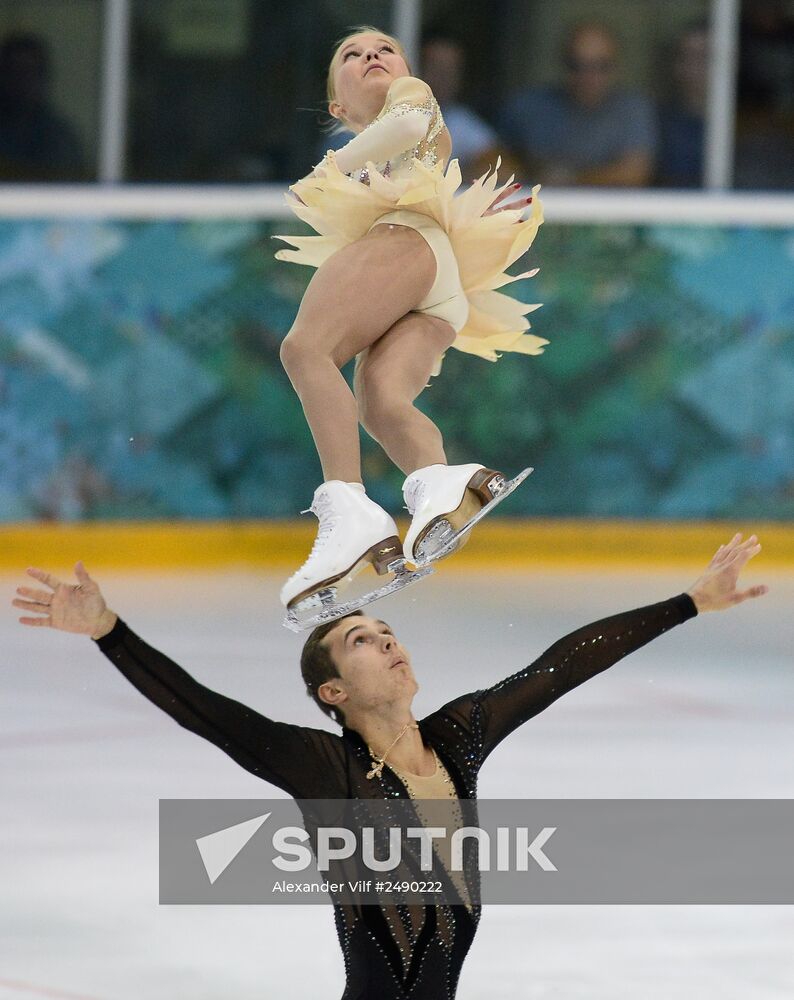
pixel 426 150
pixel 429 794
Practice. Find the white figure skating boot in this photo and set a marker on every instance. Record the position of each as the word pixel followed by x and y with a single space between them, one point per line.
pixel 446 501
pixel 354 531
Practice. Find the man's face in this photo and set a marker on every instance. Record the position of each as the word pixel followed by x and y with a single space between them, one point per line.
pixel 591 66
pixel 374 669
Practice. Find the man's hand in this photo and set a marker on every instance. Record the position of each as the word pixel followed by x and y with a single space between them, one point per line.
pixel 716 588
pixel 79 608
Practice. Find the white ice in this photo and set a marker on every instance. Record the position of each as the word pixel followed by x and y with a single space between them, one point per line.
pixel 705 711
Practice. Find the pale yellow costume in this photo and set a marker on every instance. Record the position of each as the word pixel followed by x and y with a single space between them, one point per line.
pixel 410 187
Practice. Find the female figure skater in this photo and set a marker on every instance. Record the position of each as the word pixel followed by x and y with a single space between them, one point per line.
pixel 404 271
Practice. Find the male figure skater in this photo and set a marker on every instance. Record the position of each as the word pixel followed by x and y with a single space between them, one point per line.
pixel 357 671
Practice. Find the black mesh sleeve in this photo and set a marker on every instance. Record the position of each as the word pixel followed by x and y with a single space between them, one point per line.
pixel 292 757
pixel 495 712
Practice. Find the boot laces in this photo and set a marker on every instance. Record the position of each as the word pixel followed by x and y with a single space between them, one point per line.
pixel 322 508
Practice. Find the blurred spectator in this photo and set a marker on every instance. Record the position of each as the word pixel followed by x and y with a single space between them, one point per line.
pixel 35 142
pixel 765 125
pixel 474 142
pixel 589 131
pixel 682 119
pixel 766 76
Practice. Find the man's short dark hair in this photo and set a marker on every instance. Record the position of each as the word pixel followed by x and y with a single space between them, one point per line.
pixel 317 666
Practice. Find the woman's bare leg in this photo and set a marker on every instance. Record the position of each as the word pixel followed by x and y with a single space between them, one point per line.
pixel 389 377
pixel 352 300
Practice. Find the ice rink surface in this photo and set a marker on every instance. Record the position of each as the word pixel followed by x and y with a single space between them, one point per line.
pixel 705 711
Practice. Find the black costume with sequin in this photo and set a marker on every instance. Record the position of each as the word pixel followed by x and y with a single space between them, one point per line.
pixel 391 952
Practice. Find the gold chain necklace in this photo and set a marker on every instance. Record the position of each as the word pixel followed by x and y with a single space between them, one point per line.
pixel 378 762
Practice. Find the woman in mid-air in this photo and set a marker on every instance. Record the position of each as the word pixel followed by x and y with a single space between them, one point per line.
pixel 405 270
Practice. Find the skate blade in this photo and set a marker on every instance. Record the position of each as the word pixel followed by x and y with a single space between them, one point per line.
pixel 442 539
pixel 481 488
pixel 321 607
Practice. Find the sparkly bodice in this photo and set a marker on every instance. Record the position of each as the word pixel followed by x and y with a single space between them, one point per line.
pixel 408 127
pixel 426 150
pixel 430 793
pixel 393 951
pixel 438 785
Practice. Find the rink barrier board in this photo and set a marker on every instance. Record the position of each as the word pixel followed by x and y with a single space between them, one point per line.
pixel 282 545
pixel 669 337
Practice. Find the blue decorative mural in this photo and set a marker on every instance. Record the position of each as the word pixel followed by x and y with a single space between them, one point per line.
pixel 139 376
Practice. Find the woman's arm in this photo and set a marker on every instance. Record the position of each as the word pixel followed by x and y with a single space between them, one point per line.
pixel 286 755
pixel 494 713
pixel 404 124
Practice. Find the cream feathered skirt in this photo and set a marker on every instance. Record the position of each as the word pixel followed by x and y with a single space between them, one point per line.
pixel 341 210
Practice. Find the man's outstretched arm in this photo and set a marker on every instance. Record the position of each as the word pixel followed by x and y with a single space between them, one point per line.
pixel 495 712
pixel 275 751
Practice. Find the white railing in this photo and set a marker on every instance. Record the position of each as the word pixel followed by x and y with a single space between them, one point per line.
pixel 267 202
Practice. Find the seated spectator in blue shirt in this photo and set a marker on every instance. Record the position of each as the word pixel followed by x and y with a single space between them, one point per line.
pixel 35 142
pixel 474 142
pixel 590 130
pixel 682 120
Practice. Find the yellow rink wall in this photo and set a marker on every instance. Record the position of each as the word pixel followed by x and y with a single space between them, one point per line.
pixel 283 545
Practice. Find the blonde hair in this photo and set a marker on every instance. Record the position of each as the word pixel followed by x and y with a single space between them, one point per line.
pixel 362 29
